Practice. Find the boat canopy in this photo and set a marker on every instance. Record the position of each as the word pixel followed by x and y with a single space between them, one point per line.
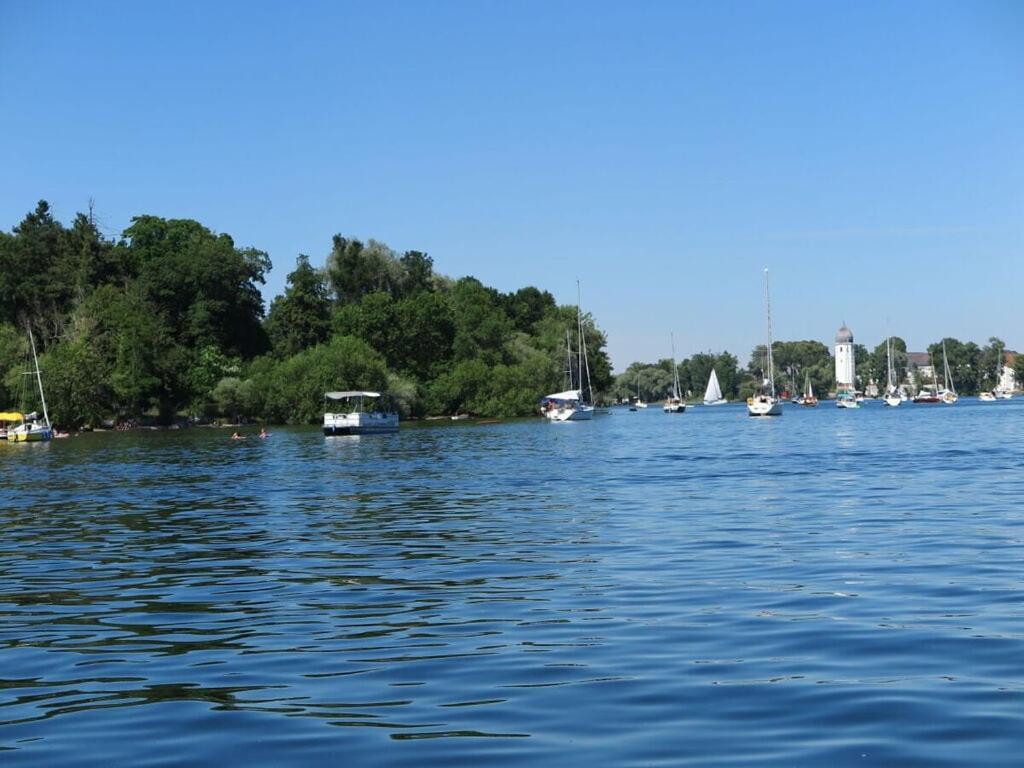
pixel 345 395
pixel 569 394
pixel 11 416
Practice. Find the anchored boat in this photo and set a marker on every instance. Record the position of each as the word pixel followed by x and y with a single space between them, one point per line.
pixel 359 413
pixel 571 405
pixel 29 427
pixel 674 404
pixel 765 403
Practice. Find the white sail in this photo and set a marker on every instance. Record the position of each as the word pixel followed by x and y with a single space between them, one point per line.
pixel 714 392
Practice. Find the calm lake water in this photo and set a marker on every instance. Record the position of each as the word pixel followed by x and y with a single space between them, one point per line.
pixel 829 588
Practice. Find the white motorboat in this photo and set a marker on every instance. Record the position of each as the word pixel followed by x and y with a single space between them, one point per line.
pixel 713 394
pixel 674 403
pixel 987 397
pixel 847 400
pixel 765 403
pixel 358 413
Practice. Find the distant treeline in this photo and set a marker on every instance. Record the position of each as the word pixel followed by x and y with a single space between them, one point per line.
pixel 973 368
pixel 168 321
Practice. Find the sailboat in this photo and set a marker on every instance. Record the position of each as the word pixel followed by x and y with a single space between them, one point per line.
pixel 30 429
pixel 713 394
pixel 765 403
pixel 996 393
pixel 808 400
pixel 929 394
pixel 892 394
pixel 674 404
pixel 948 392
pixel 639 402
pixel 572 404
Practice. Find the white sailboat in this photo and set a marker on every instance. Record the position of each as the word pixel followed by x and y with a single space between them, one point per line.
pixel 996 393
pixel 713 394
pixel 639 402
pixel 948 392
pixel 674 404
pixel 808 400
pixel 765 403
pixel 572 404
pixel 31 429
pixel 892 394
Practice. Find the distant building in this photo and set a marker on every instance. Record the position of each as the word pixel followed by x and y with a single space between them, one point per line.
pixel 921 363
pixel 845 366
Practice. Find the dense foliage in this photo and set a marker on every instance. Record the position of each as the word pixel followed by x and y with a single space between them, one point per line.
pixel 168 320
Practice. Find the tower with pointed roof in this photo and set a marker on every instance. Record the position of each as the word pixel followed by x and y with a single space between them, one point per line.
pixel 845 364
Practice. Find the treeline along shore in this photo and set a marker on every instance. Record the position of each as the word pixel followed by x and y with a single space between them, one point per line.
pixel 167 321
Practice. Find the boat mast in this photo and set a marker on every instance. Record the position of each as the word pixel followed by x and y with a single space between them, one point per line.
pixel 568 360
pixel 585 363
pixel 39 377
pixel 888 362
pixel 675 370
pixel 947 375
pixel 768 311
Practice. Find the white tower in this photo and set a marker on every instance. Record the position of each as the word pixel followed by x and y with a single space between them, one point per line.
pixel 844 360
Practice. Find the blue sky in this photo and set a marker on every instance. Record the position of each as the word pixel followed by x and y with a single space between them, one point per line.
pixel 870 154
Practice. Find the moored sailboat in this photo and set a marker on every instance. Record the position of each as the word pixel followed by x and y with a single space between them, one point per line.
pixel 575 403
pixel 892 395
pixel 639 402
pixel 929 394
pixel 674 403
pixel 765 402
pixel 30 428
pixel 948 392
pixel 996 393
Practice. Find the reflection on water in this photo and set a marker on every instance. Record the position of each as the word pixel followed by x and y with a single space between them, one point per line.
pixel 827 588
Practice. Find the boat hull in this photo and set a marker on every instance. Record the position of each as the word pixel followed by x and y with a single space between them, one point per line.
pixel 764 407
pixel 892 401
pixel 372 423
pixel 577 413
pixel 987 397
pixel 674 408
pixel 29 436
pixel 723 401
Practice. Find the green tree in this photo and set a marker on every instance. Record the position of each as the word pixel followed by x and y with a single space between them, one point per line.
pixel 76 381
pixel 293 389
pixel 481 327
pixel 964 363
pixel 991 361
pixel 301 318
pixel 205 288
